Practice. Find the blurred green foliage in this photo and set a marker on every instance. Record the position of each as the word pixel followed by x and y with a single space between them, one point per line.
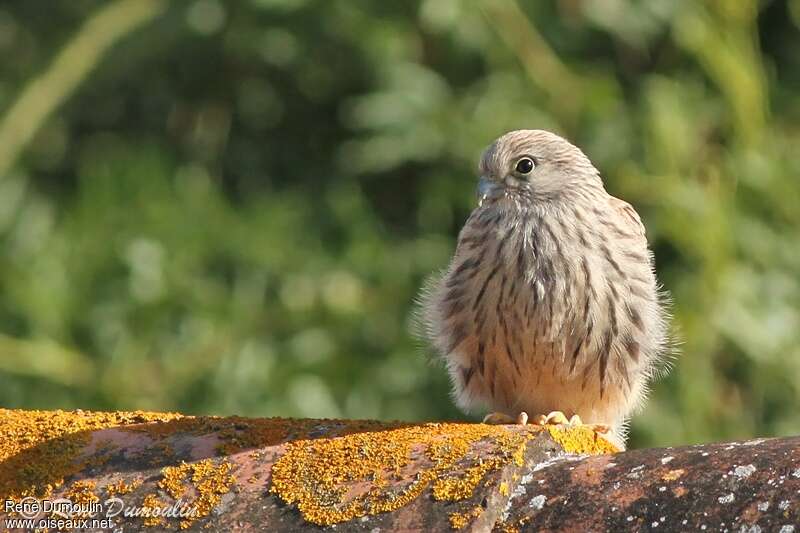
pixel 233 211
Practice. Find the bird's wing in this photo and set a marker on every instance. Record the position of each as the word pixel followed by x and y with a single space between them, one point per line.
pixel 629 217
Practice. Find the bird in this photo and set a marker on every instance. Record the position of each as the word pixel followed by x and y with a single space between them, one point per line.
pixel 550 307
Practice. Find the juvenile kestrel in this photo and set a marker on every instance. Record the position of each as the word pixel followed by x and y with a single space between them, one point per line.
pixel 550 303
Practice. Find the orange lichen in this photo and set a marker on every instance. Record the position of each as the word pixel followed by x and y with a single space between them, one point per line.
pixel 313 473
pixel 460 520
pixel 121 487
pixel 459 488
pixel 82 492
pixel 151 510
pixel 336 479
pixel 38 449
pixel 209 481
pixel 173 477
pixel 580 440
pixel 332 470
pixel 453 488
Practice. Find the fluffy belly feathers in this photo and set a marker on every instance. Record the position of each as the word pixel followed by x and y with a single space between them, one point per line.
pixel 525 325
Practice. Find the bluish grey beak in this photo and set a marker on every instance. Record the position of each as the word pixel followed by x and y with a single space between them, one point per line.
pixel 486 189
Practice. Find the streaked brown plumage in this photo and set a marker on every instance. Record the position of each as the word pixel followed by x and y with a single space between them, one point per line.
pixel 550 302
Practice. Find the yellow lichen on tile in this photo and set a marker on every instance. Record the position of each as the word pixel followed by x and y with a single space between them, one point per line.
pixel 151 510
pixel 173 477
pixel 332 470
pixel 315 474
pixel 82 492
pixel 504 490
pixel 38 449
pixel 459 520
pixel 580 440
pixel 211 482
pixel 206 479
pixel 121 487
pixel 463 486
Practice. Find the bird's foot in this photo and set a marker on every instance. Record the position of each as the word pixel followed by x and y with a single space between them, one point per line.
pixel 502 418
pixel 555 418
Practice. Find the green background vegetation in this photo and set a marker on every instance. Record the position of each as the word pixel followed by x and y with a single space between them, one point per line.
pixel 228 207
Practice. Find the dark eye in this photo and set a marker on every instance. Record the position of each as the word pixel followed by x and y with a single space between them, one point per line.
pixel 525 165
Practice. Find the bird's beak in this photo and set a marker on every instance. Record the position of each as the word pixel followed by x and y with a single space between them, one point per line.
pixel 488 189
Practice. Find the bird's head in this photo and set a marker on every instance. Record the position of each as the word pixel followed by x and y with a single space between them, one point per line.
pixel 527 166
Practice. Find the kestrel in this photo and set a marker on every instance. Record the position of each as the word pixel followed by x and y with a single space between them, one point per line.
pixel 550 304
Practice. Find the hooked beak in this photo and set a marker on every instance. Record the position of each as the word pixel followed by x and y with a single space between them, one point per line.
pixel 488 190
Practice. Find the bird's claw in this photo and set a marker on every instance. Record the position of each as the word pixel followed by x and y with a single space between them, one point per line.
pixel 555 418
pixel 559 418
pixel 502 418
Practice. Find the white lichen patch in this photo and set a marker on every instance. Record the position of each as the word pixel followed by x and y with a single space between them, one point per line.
pixel 635 472
pixel 728 498
pixel 788 528
pixel 520 490
pixel 537 502
pixel 744 472
pixel 556 460
pixel 763 506
pixel 665 460
pixel 783 505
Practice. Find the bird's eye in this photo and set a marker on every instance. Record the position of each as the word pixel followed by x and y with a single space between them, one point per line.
pixel 525 165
